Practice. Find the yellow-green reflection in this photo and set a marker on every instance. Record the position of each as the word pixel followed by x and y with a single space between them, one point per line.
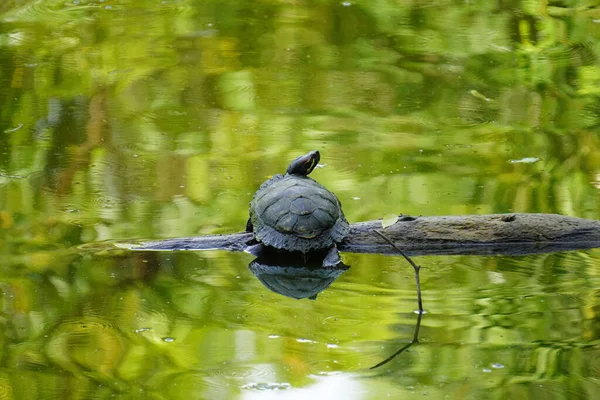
pixel 144 119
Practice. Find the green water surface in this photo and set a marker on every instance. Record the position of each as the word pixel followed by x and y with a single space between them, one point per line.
pixel 149 119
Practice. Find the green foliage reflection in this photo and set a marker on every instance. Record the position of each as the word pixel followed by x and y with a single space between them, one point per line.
pixel 147 119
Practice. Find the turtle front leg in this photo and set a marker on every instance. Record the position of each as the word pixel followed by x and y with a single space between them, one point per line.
pixel 332 258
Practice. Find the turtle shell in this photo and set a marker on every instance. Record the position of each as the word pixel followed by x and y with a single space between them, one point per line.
pixel 295 213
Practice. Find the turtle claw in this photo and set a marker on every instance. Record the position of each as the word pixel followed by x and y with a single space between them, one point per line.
pixel 256 249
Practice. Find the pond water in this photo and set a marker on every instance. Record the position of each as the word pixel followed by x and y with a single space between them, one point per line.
pixel 124 120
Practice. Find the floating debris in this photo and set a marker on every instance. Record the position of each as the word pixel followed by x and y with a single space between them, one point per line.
pixel 267 386
pixel 300 340
pixel 14 129
pixel 478 95
pixel 526 160
pixel 389 220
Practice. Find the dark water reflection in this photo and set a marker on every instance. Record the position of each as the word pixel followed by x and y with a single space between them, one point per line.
pixel 122 120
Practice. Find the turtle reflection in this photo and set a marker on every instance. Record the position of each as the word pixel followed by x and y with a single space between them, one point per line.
pixel 295 278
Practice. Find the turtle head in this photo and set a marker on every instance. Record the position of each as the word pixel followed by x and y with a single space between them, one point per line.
pixel 304 165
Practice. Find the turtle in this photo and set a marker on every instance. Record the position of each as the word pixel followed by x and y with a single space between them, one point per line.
pixel 294 213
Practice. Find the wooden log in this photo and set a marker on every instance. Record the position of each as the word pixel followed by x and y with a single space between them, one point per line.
pixel 510 234
pixel 506 234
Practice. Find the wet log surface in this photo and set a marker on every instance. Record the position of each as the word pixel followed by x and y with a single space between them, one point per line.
pixel 500 234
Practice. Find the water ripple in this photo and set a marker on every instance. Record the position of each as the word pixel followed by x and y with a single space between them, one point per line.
pixel 241 374
pixel 51 12
pixel 89 342
pixel 6 390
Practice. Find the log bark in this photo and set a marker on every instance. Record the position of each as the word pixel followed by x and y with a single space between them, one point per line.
pixel 493 234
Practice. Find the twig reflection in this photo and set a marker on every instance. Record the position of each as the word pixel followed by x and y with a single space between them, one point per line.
pixel 417 269
pixel 413 341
